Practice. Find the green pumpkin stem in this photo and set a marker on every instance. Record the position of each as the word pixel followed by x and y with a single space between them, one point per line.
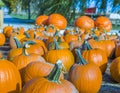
pixel 56 44
pixel 26 34
pixel 105 34
pixel 87 45
pixel 54 75
pixel 25 46
pixel 18 44
pixel 81 60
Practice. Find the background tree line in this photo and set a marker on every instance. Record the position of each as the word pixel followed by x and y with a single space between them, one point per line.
pixel 67 8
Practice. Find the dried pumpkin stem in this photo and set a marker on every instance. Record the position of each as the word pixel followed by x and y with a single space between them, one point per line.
pixel 81 60
pixel 54 75
pixel 18 44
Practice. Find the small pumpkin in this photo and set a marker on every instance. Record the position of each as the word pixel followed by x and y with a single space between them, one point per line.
pixel 84 22
pixel 103 23
pixel 51 83
pixel 20 63
pixel 8 30
pixel 80 75
pixel 42 19
pixel 57 20
pixel 115 69
pixel 96 56
pixel 64 55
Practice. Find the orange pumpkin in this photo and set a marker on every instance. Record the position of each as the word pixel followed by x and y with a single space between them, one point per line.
pixel 42 19
pixel 80 75
pixel 103 23
pixel 117 50
pixel 57 20
pixel 10 80
pixel 50 84
pixel 84 22
pixel 20 63
pixel 7 31
pixel 115 69
pixel 96 56
pixel 64 55
pixel 2 39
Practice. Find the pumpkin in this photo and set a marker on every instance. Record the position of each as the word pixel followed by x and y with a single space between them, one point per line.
pixel 57 20
pixel 1 54
pixel 50 84
pixel 115 69
pixel 96 56
pixel 70 37
pixel 2 39
pixel 42 19
pixel 86 77
pixel 20 63
pixel 8 30
pixel 117 50
pixel 76 43
pixel 37 69
pixel 62 44
pixel 64 55
pixel 10 80
pixel 15 51
pixel 103 24
pixel 84 22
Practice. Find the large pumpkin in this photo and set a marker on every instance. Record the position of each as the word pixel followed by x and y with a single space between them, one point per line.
pixel 85 76
pixel 57 20
pixel 115 69
pixel 7 30
pixel 10 80
pixel 103 23
pixel 84 22
pixel 42 19
pixel 50 84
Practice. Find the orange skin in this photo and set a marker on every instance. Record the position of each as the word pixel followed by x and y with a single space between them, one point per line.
pixel 84 22
pixel 10 80
pixel 2 39
pixel 42 19
pixel 20 63
pixel 115 69
pixel 58 21
pixel 96 56
pixel 64 55
pixel 43 85
pixel 117 50
pixel 37 69
pixel 7 31
pixel 103 23
pixel 87 78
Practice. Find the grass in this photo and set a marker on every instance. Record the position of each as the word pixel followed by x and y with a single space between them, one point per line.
pixel 116 27
pixel 21 16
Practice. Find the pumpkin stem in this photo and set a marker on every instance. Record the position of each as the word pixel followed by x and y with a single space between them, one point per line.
pixel 26 45
pixel 88 45
pixel 105 34
pixel 54 75
pixel 79 38
pixel 34 34
pixel 56 44
pixel 26 34
pixel 82 61
pixel 18 44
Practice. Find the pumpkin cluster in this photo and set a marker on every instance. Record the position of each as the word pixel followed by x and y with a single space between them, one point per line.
pixel 54 58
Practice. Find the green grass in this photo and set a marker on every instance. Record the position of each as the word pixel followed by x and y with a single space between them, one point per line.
pixel 20 16
pixel 116 27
